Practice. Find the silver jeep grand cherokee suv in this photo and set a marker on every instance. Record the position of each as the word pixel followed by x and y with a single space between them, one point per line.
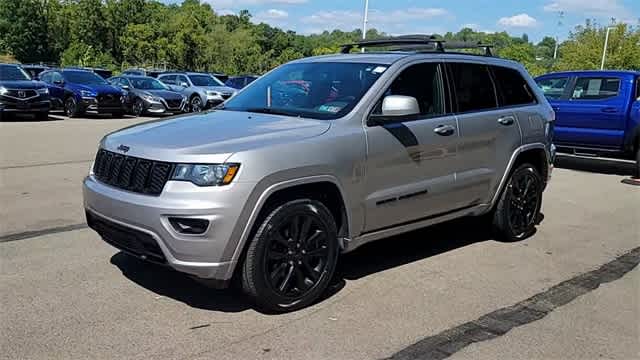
pixel 319 157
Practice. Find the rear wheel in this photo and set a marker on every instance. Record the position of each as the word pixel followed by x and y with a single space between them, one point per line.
pixel 637 169
pixel 292 257
pixel 517 210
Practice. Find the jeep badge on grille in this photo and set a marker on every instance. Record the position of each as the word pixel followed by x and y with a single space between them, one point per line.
pixel 123 148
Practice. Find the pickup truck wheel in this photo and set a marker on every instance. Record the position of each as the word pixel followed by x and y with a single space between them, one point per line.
pixel 517 210
pixel 292 257
pixel 637 169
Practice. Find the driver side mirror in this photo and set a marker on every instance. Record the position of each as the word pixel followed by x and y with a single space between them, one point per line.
pixel 125 87
pixel 58 82
pixel 184 84
pixel 395 108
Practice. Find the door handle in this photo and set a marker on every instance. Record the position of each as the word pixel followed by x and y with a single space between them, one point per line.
pixel 506 120
pixel 609 110
pixel 444 130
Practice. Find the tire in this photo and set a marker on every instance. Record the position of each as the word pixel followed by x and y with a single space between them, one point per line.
pixel 637 169
pixel 518 209
pixel 138 108
pixel 71 108
pixel 285 272
pixel 195 104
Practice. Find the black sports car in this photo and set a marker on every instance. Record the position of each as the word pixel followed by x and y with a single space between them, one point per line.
pixel 146 95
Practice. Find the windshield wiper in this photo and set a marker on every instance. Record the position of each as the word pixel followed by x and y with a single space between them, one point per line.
pixel 272 111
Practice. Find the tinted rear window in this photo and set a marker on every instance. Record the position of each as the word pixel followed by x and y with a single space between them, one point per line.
pixel 596 88
pixel 514 89
pixel 473 87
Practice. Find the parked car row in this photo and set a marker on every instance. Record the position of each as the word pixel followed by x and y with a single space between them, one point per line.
pixel 79 91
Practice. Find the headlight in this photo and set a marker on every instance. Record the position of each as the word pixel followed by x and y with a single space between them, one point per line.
pixel 86 93
pixel 206 174
pixel 150 98
pixel 43 91
pixel 3 90
pixel 213 93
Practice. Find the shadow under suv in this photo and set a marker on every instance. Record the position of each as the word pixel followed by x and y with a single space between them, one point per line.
pixel 320 156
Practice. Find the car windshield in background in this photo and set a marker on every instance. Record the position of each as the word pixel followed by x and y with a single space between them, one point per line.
pixel 83 77
pixel 13 73
pixel 205 80
pixel 147 84
pixel 314 90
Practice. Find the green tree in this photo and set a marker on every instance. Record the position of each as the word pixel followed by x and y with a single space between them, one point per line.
pixel 24 30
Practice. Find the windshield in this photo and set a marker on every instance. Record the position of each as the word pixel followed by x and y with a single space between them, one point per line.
pixel 83 77
pixel 315 90
pixel 147 84
pixel 205 80
pixel 13 73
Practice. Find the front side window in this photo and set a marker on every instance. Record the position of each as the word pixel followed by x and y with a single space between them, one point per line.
pixel 84 77
pixel 553 88
pixel 56 77
pixel 473 87
pixel 180 80
pixel 514 89
pixel 422 82
pixel 204 80
pixel 595 88
pixel 46 78
pixel 168 79
pixel 320 90
pixel 13 73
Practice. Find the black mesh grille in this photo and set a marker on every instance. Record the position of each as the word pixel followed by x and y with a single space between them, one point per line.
pixel 174 103
pixel 131 173
pixel 109 100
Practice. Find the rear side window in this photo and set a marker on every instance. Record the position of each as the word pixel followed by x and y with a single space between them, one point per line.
pixel 168 79
pixel 512 87
pixel 595 88
pixel 553 88
pixel 473 87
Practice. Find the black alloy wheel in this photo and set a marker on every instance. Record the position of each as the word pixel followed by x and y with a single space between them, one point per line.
pixel 292 257
pixel 71 107
pixel 519 205
pixel 196 104
pixel 138 107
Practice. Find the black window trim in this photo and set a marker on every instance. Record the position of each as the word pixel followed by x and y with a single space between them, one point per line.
pixel 575 82
pixel 500 95
pixel 455 109
pixel 381 120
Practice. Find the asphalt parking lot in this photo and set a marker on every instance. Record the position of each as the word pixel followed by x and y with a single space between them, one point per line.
pixel 571 291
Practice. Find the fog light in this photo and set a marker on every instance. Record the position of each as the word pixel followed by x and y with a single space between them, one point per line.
pixel 189 226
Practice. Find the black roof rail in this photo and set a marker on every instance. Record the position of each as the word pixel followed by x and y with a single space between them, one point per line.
pixel 417 43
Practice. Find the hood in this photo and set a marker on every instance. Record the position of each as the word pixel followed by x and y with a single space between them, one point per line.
pixel 99 89
pixel 22 84
pixel 165 94
pixel 222 89
pixel 211 136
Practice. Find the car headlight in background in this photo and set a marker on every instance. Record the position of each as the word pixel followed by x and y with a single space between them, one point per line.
pixel 86 93
pixel 43 91
pixel 206 174
pixel 3 90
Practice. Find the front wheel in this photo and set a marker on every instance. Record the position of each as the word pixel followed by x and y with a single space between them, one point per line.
pixel 71 108
pixel 292 257
pixel 195 104
pixel 138 107
pixel 517 210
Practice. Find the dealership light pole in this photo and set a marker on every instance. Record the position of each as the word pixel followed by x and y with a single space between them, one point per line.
pixel 606 42
pixel 365 20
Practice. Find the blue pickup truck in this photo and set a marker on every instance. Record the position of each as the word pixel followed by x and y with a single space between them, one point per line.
pixel 597 112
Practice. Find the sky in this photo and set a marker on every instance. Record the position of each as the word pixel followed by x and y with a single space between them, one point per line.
pixel 536 18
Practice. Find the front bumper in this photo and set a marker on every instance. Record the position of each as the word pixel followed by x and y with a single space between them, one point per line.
pixel 147 217
pixel 164 107
pixel 92 105
pixel 27 106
